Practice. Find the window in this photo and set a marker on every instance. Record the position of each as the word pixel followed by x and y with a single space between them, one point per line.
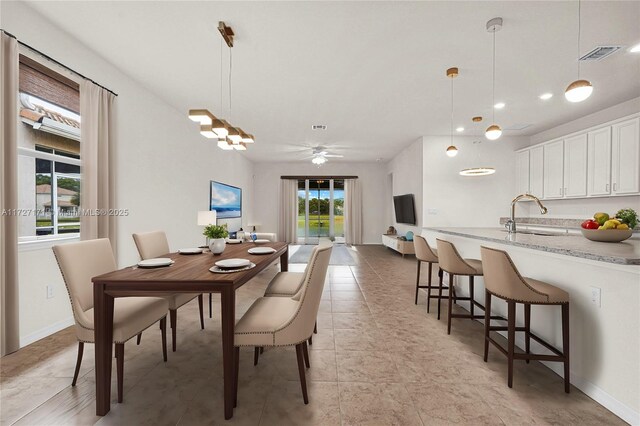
pixel 320 210
pixel 49 187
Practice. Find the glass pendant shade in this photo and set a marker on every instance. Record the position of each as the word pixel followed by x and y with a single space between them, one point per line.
pixel 493 132
pixel 224 144
pixel 578 91
pixel 201 116
pixel 452 151
pixel 207 131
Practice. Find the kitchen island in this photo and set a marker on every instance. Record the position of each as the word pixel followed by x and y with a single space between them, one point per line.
pixel 603 280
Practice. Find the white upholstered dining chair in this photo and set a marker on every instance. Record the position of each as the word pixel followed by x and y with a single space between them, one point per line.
pixel 154 244
pixel 286 321
pixel 81 261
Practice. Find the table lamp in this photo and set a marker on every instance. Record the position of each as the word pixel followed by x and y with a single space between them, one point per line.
pixel 205 218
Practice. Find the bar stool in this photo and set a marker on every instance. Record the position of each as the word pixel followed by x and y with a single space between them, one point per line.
pixel 424 253
pixel 454 264
pixel 503 280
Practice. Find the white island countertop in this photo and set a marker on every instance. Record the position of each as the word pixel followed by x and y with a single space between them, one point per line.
pixel 624 253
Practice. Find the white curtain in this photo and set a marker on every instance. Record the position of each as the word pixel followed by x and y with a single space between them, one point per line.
pixel 97 112
pixel 353 211
pixel 288 226
pixel 9 327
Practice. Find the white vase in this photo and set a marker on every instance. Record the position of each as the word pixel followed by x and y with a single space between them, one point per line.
pixel 217 245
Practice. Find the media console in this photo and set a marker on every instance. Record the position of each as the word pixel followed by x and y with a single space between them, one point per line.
pixel 395 243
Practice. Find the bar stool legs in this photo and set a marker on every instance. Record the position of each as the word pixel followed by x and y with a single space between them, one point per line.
pixel 565 346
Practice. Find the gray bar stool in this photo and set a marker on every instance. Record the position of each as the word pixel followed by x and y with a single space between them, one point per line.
pixel 424 253
pixel 502 279
pixel 454 264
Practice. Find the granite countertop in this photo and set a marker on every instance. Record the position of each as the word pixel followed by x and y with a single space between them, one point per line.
pixel 624 253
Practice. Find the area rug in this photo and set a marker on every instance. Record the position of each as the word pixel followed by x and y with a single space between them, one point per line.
pixel 340 255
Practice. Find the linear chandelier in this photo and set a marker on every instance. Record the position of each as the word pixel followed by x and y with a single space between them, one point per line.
pixel 212 127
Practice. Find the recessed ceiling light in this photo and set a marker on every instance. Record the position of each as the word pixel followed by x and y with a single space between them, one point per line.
pixel 546 96
pixel 499 105
pixel 460 129
pixel 635 49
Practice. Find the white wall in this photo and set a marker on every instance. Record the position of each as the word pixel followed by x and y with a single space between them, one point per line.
pixel 453 200
pixel 404 172
pixel 374 195
pixel 584 208
pixel 163 169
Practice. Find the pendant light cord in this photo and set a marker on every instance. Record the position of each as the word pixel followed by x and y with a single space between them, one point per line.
pixel 579 31
pixel 493 96
pixel 230 70
pixel 452 110
pixel 221 68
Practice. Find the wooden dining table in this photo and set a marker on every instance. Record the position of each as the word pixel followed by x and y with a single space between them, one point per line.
pixel 189 274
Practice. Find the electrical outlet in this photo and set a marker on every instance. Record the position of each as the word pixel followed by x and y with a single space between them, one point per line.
pixel 595 296
pixel 50 291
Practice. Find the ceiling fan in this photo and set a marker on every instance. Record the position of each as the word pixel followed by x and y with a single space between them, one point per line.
pixel 320 154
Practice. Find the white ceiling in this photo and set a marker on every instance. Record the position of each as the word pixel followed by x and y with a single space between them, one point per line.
pixel 373 72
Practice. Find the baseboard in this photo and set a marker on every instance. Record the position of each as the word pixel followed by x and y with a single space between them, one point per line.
pixel 47 331
pixel 602 397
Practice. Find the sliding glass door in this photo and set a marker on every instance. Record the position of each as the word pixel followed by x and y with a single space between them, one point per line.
pixel 320 210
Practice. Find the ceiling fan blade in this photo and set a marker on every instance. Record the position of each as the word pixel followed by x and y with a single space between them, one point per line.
pixel 334 155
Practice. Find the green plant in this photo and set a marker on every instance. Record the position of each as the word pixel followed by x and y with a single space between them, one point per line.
pixel 628 216
pixel 215 231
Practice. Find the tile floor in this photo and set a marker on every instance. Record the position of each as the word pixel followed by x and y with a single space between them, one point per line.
pixel 377 359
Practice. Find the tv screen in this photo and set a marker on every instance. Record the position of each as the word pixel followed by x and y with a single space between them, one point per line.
pixel 226 200
pixel 405 209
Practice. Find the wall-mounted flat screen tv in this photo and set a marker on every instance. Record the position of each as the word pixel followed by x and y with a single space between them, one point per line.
pixel 226 200
pixel 405 209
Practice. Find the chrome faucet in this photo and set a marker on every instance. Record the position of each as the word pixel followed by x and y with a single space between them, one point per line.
pixel 511 223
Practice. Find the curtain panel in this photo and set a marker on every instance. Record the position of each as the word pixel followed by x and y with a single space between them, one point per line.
pixel 353 211
pixel 9 325
pixel 97 133
pixel 288 222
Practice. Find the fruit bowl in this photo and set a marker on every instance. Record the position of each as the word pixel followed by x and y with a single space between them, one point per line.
pixel 607 235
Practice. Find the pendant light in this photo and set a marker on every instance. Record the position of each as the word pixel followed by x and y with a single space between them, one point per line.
pixel 452 151
pixel 477 171
pixel 579 90
pixel 494 131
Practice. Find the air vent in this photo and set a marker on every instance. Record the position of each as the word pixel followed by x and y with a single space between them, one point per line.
pixel 319 127
pixel 600 52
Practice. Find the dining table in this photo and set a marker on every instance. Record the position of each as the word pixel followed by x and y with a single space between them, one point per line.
pixel 188 274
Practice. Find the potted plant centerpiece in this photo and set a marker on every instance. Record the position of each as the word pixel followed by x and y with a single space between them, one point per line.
pixel 216 235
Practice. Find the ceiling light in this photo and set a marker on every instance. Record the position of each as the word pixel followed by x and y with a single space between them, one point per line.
pixel 460 129
pixel 635 49
pixel 220 128
pixel 234 135
pixel 246 138
pixel 493 132
pixel 207 131
pixel 201 116
pixel 240 146
pixel 476 119
pixel 499 105
pixel 578 91
pixel 319 160
pixel 452 73
pixel 546 96
pixel 478 171
pixel 224 144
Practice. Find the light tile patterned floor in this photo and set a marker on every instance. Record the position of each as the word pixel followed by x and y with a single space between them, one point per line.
pixel 377 359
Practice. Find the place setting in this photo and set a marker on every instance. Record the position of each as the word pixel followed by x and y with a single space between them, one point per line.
pixel 158 262
pixel 229 266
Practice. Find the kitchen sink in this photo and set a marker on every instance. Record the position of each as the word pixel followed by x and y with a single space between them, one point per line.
pixel 540 233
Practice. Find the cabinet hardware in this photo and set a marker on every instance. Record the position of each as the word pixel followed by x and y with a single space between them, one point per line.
pixel 606 188
pixel 615 187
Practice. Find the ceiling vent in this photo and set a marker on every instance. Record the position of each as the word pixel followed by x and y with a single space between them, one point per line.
pixel 600 52
pixel 319 127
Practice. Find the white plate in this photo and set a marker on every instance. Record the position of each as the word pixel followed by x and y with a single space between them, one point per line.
pixel 261 241
pixel 233 241
pixel 155 263
pixel 233 263
pixel 261 250
pixel 218 270
pixel 193 250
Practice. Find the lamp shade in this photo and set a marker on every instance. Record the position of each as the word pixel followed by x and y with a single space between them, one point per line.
pixel 452 151
pixel 208 217
pixel 493 132
pixel 578 91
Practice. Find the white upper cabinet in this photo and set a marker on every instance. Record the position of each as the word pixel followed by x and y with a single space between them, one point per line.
pixel 625 165
pixel 522 172
pixel 599 168
pixel 575 166
pixel 536 167
pixel 553 170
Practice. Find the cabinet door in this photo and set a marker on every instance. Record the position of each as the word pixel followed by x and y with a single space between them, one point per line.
pixel 575 166
pixel 625 163
pixel 536 168
pixel 599 168
pixel 522 172
pixel 553 169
